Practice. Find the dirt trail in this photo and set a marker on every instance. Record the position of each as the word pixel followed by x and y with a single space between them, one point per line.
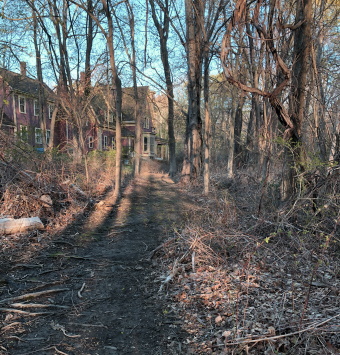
pixel 108 301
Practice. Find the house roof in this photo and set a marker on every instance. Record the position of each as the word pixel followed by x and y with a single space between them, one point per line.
pixel 99 103
pixel 128 103
pixel 23 84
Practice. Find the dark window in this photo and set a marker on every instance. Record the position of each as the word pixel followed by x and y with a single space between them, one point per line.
pixel 36 108
pixel 48 136
pixel 22 104
pixel 38 136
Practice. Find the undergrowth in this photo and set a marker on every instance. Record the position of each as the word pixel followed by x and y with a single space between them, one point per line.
pixel 257 283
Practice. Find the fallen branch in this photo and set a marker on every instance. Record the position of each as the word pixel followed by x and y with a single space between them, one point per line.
pixel 37 305
pixel 247 341
pixel 12 310
pixel 166 243
pixel 89 325
pixel 9 326
pixel 32 295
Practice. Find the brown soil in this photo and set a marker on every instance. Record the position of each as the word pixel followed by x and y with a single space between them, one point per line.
pixel 104 286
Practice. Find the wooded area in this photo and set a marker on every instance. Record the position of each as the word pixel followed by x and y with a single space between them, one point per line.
pixel 261 75
pixel 244 95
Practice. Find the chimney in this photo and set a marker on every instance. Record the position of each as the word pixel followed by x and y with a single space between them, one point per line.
pixel 23 71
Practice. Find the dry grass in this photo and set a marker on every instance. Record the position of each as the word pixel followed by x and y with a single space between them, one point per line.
pixel 25 176
pixel 256 284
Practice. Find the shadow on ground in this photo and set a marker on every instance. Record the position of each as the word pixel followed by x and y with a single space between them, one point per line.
pixel 94 289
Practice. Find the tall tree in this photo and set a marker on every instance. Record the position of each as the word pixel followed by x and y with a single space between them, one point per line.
pixel 116 90
pixel 131 54
pixel 162 25
pixel 292 119
pixel 194 16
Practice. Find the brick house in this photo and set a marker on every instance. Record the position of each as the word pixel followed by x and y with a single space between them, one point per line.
pixel 147 110
pixel 20 110
pixel 20 117
pixel 100 133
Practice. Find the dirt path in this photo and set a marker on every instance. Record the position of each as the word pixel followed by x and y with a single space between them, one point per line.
pixel 103 296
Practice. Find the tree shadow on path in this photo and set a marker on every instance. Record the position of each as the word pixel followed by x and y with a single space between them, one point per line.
pixel 110 285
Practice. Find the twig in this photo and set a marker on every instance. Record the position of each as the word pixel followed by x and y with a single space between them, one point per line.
pixel 81 290
pixel 89 325
pixel 59 352
pixel 9 326
pixel 57 326
pixel 117 232
pixel 172 274
pixel 276 224
pixel 63 242
pixel 37 305
pixel 247 341
pixel 32 295
pixel 24 312
pixel 14 337
pixel 166 243
pixel 45 349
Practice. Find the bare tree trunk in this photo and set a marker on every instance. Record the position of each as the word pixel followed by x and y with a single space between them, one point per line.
pixel 231 142
pixel 41 92
pixel 238 129
pixel 207 127
pixel 117 95
pixel 193 155
pixel 163 33
pixel 89 44
pixel 301 62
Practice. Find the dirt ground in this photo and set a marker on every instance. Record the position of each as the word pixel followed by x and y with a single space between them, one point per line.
pixel 168 271
pixel 93 288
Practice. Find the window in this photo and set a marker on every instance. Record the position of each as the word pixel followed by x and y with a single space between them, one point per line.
pixel 145 144
pixel 48 136
pixel 90 142
pixel 36 108
pixel 113 143
pixel 105 142
pixel 23 133
pixel 22 104
pixel 152 145
pixel 50 111
pixel 38 135
pixel 110 114
pixel 146 123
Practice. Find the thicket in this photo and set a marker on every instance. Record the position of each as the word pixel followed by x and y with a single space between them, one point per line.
pixel 26 175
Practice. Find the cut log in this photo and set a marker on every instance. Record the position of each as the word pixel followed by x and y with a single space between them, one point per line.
pixel 11 226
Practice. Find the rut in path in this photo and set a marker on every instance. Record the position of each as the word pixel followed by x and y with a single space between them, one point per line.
pixel 118 310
